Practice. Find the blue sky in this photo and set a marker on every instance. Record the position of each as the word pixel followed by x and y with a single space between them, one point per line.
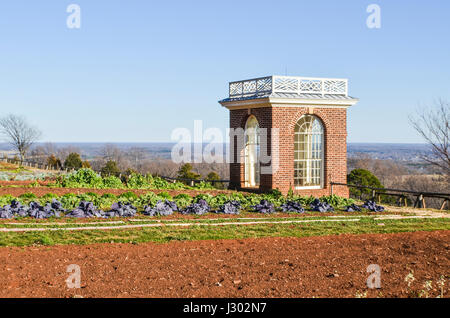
pixel 136 70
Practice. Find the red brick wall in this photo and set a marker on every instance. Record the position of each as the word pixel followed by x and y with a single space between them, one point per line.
pixel 285 118
pixel 238 118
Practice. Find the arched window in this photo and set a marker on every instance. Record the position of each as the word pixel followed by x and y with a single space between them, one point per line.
pixel 308 152
pixel 251 167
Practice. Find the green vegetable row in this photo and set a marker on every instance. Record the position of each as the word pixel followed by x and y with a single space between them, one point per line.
pixel 70 200
pixel 88 178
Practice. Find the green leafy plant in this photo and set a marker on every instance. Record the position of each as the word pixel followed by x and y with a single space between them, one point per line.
pixel 112 182
pixel 83 178
pixel 337 201
pixel 182 200
pixel 27 197
pixel 138 181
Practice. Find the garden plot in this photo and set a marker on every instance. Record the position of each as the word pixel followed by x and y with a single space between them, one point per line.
pixel 316 266
pixel 149 222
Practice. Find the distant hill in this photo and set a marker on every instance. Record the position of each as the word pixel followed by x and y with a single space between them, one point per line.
pixel 398 152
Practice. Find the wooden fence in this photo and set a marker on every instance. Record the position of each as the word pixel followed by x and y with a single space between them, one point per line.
pixel 31 164
pixel 403 195
pixel 192 182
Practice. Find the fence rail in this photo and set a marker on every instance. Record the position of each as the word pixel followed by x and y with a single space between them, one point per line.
pixel 420 196
pixel 193 181
pixel 31 163
pixel 288 84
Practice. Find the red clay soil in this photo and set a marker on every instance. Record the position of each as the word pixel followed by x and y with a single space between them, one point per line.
pixel 329 266
pixel 40 191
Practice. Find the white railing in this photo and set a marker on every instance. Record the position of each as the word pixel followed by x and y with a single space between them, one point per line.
pixel 288 84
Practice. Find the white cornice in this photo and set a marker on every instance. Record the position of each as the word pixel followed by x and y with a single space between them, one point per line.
pixel 289 102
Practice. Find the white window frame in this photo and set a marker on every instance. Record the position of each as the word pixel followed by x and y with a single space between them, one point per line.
pixel 308 161
pixel 247 163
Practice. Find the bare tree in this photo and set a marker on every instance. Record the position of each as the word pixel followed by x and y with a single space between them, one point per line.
pixel 136 156
pixel 63 152
pixel 433 125
pixel 110 152
pixel 43 152
pixel 18 133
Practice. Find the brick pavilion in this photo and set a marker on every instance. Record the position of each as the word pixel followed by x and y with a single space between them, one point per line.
pixel 300 123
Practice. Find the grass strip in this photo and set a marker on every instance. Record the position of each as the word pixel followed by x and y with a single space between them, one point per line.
pixel 163 234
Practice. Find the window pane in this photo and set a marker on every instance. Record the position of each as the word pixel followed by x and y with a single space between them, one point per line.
pixel 308 151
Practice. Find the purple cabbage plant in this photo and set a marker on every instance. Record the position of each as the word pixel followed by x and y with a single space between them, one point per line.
pixel 230 207
pixel 199 208
pixel 292 206
pixel 161 208
pixel 319 206
pixel 264 207
pixel 85 210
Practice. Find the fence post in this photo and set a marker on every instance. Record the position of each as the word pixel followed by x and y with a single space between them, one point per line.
pixel 443 204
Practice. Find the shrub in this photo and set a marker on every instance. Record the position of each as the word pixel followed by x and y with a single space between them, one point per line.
pixel 54 162
pixel 86 164
pixel 73 161
pixel 185 172
pixel 214 176
pixel 110 169
pixel 365 178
